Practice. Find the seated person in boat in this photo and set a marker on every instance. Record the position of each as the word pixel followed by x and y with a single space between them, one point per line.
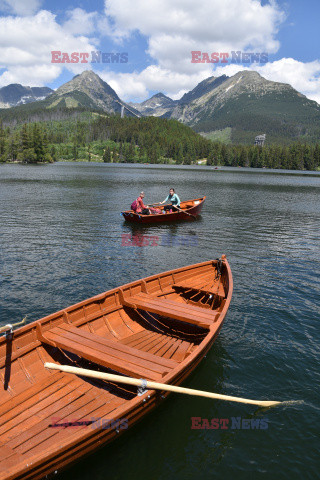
pixel 139 207
pixel 175 202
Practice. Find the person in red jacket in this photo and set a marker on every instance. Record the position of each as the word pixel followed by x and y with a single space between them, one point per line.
pixel 141 207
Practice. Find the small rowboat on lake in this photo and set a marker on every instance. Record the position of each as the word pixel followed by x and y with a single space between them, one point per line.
pixel 189 210
pixel 158 329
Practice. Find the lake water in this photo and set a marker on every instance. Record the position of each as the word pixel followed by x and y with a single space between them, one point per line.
pixel 63 240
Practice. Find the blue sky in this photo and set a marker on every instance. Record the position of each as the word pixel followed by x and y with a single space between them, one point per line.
pixel 158 37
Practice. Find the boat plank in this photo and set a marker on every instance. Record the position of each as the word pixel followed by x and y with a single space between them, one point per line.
pixel 31 392
pixel 9 458
pixel 26 404
pixel 66 436
pixel 41 410
pixel 160 341
pixel 180 354
pixel 55 434
pixel 142 344
pixel 154 343
pixel 173 348
pixel 66 404
pixel 167 346
pixel 133 339
pixel 77 411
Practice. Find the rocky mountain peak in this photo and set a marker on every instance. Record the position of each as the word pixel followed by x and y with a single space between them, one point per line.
pixel 15 94
pixel 88 82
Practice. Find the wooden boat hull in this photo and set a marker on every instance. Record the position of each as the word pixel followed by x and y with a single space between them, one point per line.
pixel 158 328
pixel 192 209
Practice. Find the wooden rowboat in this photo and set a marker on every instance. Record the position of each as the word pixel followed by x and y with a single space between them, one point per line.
pixel 157 329
pixel 190 210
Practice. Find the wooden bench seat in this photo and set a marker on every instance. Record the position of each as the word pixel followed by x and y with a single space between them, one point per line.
pixel 122 358
pixel 167 308
pixel 215 289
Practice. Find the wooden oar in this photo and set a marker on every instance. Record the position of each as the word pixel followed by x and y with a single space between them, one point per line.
pixel 10 326
pixel 194 216
pixel 154 385
pixel 170 205
pixel 158 204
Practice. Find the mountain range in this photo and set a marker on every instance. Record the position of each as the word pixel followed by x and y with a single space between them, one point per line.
pixel 16 94
pixel 158 105
pixel 233 108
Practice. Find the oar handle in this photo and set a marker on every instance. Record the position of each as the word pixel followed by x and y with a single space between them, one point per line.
pixel 10 326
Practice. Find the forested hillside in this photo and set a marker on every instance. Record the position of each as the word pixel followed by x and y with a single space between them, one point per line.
pixel 98 137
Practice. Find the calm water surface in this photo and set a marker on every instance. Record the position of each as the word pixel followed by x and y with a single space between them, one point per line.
pixel 61 238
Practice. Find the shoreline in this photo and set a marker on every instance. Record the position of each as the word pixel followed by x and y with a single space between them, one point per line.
pixel 202 167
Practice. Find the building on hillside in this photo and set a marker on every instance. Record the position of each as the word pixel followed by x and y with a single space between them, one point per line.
pixel 260 139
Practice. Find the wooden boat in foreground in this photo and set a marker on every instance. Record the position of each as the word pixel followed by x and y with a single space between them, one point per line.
pixel 157 329
pixel 190 210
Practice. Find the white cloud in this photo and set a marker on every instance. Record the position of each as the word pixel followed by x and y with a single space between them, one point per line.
pixel 304 77
pixel 174 28
pixel 153 78
pixel 34 75
pixel 80 22
pixel 26 44
pixel 21 7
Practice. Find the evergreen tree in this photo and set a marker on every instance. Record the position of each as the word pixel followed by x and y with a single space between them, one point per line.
pixel 107 155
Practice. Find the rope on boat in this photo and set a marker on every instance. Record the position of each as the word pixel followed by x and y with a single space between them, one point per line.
pixel 219 268
pixel 177 333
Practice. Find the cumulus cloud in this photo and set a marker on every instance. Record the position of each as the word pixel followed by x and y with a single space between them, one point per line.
pixel 32 75
pixel 154 78
pixel 174 28
pixel 20 7
pixel 80 22
pixel 26 44
pixel 304 77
